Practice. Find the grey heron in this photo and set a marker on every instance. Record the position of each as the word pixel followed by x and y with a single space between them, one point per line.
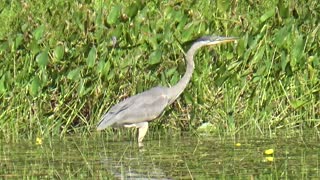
pixel 138 110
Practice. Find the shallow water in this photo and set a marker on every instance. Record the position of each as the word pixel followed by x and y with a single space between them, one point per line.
pixel 182 157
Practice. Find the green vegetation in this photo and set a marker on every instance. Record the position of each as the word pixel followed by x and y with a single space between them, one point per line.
pixel 180 157
pixel 60 68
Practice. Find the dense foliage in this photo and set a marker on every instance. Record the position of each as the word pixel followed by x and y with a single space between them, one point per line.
pixel 63 63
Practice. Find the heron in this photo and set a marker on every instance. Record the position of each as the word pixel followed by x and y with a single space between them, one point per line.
pixel 136 111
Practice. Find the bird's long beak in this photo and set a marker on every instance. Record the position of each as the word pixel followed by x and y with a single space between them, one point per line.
pixel 221 39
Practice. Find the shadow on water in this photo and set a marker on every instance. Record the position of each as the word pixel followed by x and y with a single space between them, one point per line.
pixel 167 158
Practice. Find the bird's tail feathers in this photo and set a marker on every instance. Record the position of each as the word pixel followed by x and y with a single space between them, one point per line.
pixel 105 121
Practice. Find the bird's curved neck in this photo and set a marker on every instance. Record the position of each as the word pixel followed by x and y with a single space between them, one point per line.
pixel 177 89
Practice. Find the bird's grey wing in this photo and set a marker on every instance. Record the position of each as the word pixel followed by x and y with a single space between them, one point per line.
pixel 139 108
pixel 146 107
pixel 108 118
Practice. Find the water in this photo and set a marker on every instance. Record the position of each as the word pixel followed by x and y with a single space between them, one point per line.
pixel 181 157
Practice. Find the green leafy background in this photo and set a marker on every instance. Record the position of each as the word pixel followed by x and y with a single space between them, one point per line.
pixel 64 63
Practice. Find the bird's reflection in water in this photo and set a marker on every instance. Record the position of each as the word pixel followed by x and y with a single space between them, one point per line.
pixel 133 165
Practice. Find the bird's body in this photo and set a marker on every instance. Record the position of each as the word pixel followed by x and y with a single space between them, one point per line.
pixel 141 107
pixel 138 110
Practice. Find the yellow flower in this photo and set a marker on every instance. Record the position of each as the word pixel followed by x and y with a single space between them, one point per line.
pixel 238 144
pixel 269 151
pixel 38 141
pixel 269 159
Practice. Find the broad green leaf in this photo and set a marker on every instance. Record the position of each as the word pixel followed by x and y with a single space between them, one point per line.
pixel 155 57
pixel 219 81
pixel 98 19
pixel 188 97
pixel 200 97
pixel 92 57
pixel 114 15
pixel 283 9
pixel 181 24
pixel 140 86
pixel 2 85
pixel 298 103
pixel 34 47
pixel 206 128
pixel 24 27
pixel 261 71
pixel 241 47
pixel 258 56
pixel 111 75
pixel 141 17
pixel 4 45
pixel 284 61
pixel 126 62
pixel 298 47
pixel 175 78
pixel 171 71
pixel 223 5
pixel 163 78
pixel 153 40
pixel 74 74
pixel 106 68
pixel 267 15
pixel 44 76
pixel 187 32
pixel 168 12
pixel 58 52
pixel 35 86
pixel 281 35
pixel 132 10
pixel 82 89
pixel 256 79
pixel 118 30
pixel 42 59
pixel 229 55
pixel 18 41
pixel 100 66
pixel 38 33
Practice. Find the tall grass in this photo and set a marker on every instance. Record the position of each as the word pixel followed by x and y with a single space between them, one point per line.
pixel 63 63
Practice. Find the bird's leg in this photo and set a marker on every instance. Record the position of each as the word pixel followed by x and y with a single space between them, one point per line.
pixel 143 128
